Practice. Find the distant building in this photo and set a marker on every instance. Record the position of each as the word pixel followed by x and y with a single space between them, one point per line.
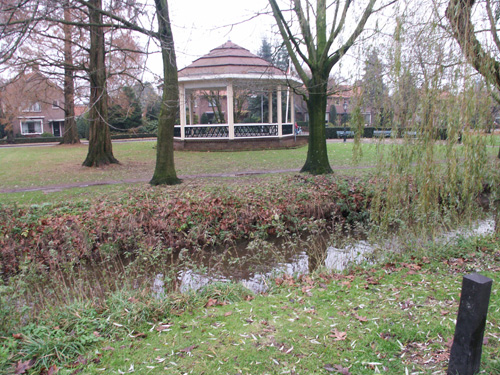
pixel 33 105
pixel 345 97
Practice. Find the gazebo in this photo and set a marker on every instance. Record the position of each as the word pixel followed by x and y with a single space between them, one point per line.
pixel 226 69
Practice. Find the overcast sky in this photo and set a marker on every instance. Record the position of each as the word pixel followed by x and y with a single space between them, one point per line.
pixel 200 26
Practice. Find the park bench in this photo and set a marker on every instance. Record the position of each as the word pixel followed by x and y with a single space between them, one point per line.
pixel 382 133
pixel 348 134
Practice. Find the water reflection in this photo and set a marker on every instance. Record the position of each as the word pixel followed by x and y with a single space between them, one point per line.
pixel 298 262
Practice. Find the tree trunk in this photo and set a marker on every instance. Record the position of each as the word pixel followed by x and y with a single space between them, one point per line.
pixel 317 155
pixel 70 135
pixel 100 149
pixel 165 169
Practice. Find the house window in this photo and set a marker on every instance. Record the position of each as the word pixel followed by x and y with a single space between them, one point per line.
pixel 35 107
pixel 31 127
pixel 55 104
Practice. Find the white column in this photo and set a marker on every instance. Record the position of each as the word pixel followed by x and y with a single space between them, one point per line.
pixel 230 109
pixel 182 102
pixel 270 99
pixel 190 106
pixel 280 112
pixel 292 108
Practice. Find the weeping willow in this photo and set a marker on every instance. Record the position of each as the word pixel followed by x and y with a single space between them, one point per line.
pixel 436 166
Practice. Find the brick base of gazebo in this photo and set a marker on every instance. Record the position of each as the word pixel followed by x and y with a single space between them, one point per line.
pixel 241 144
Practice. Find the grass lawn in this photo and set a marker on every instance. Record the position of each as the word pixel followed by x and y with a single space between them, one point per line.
pixel 41 166
pixel 27 167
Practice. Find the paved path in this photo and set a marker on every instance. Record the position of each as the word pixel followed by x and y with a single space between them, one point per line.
pixel 53 188
pixel 82 141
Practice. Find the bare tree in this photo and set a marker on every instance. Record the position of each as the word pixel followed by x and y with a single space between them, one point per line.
pixel 70 135
pixel 318 44
pixel 100 148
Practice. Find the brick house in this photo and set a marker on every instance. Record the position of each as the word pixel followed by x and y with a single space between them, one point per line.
pixel 344 101
pixel 33 105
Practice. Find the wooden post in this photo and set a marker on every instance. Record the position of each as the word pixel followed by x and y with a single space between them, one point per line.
pixel 465 356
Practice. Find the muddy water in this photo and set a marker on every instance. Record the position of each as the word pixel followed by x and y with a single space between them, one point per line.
pixel 254 273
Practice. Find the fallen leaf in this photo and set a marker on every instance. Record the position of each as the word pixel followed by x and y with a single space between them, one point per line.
pixel 228 313
pixel 372 281
pixel 17 336
pixel 361 318
pixel 52 370
pixel 211 302
pixel 338 369
pixel 96 334
pixel 339 336
pixel 22 367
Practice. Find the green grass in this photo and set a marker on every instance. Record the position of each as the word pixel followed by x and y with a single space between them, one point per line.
pixel 41 166
pixel 44 166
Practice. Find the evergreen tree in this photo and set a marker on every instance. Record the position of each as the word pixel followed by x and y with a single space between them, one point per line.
pixel 374 89
pixel 266 51
pixel 128 115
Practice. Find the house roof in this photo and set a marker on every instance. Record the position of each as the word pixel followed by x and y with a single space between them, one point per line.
pixel 231 62
pixel 229 58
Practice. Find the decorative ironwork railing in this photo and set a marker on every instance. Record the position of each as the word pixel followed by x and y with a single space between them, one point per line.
pixel 240 130
pixel 203 131
pixel 287 129
pixel 255 130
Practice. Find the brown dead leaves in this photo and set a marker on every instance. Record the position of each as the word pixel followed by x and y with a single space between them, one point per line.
pixel 425 354
pixel 337 369
pixel 213 302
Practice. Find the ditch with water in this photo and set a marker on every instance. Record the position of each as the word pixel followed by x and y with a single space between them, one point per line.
pixel 254 272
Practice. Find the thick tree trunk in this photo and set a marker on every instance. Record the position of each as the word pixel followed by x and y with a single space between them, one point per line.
pixel 70 135
pixel 164 173
pixel 100 149
pixel 317 155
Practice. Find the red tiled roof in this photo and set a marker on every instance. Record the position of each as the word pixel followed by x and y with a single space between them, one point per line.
pixel 229 58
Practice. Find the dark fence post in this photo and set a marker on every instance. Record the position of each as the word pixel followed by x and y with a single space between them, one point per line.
pixel 465 356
